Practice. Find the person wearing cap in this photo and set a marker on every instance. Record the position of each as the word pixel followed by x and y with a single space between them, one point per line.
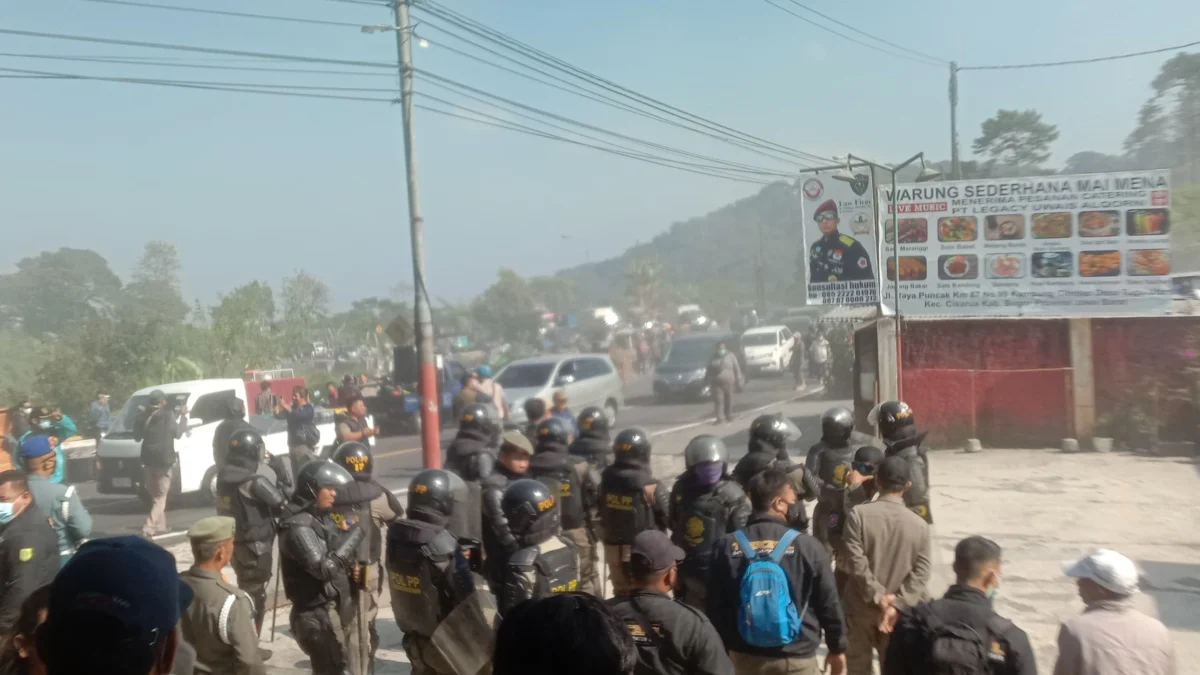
pixel 672 638
pixel 1111 637
pixel 28 547
pixel 810 580
pixel 115 608
pixel 220 621
pixel 162 428
pixel 47 422
pixel 888 547
pixel 491 388
pixel 967 604
pixel 512 464
pixel 71 521
pixel 836 256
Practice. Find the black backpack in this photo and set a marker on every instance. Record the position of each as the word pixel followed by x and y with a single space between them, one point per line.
pixel 955 648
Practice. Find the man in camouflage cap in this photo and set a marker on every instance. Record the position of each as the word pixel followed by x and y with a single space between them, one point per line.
pixel 220 621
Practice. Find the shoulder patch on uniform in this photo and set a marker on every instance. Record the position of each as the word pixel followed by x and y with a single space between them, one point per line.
pixel 847 239
pixel 25 554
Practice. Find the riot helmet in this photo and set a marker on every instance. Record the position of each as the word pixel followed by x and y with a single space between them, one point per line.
pixel 355 457
pixel 593 422
pixel 771 430
pixel 632 445
pixel 530 508
pixel 246 448
pixel 836 425
pixel 705 448
pixel 892 416
pixel 317 474
pixel 431 491
pixel 552 430
pixel 475 417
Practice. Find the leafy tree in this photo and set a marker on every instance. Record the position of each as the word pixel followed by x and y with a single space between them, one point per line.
pixel 243 329
pixel 1094 162
pixel 305 311
pixel 154 293
pixel 508 307
pixel 52 293
pixel 21 355
pixel 556 294
pixel 1016 137
pixel 643 284
pixel 1168 129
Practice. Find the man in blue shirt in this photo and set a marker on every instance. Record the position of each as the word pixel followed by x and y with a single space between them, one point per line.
pixel 561 411
pixel 101 413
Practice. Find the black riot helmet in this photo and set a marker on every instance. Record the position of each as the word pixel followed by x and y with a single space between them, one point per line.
pixel 431 491
pixel 892 416
pixel 771 430
pixel 593 423
pixel 317 474
pixel 246 448
pixel 475 416
pixel 355 457
pixel 706 448
pixel 530 508
pixel 632 446
pixel 552 430
pixel 836 425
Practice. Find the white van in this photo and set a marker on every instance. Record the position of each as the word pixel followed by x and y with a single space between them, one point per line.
pixel 119 465
pixel 767 349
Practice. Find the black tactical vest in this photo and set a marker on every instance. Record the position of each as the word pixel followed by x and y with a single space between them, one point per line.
pixel 254 523
pixel 303 589
pixel 417 560
pixel 833 465
pixel 557 566
pixel 351 513
pixel 556 471
pixel 624 512
pixel 700 519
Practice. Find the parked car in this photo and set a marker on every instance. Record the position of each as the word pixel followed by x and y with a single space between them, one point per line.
pixel 681 372
pixel 118 453
pixel 588 379
pixel 767 349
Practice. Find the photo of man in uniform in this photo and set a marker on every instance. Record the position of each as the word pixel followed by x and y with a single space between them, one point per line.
pixel 836 256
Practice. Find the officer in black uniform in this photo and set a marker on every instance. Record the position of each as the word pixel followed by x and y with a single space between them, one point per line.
pixel 897 425
pixel 705 504
pixel 317 563
pixel 768 449
pixel 498 539
pixel 631 500
pixel 248 490
pixel 470 457
pixel 425 565
pixel 594 443
pixel 576 484
pixel 836 256
pixel 235 419
pixel 829 462
pixel 546 563
pixel 365 501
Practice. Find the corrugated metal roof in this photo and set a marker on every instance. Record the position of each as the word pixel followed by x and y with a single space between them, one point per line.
pixel 850 313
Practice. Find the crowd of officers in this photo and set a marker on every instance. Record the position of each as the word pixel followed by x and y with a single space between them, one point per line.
pixel 518 515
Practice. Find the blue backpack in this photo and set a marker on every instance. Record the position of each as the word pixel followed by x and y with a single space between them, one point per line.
pixel 767 617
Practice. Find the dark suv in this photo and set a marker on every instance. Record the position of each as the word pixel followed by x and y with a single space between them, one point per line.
pixel 681 373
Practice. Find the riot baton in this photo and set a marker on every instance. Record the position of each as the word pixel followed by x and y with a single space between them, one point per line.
pixel 364 646
pixel 275 605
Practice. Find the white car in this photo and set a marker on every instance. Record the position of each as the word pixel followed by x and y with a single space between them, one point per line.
pixel 588 380
pixel 768 349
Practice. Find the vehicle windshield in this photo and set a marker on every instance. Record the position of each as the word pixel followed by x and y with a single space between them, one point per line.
pixel 124 421
pixel 690 353
pixel 525 375
pixel 759 340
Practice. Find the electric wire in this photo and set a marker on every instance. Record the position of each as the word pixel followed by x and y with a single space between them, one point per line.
pixel 219 12
pixel 866 34
pixel 868 45
pixel 203 66
pixel 1099 59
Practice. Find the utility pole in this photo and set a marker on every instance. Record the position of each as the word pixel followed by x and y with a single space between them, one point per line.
pixel 431 446
pixel 761 285
pixel 955 169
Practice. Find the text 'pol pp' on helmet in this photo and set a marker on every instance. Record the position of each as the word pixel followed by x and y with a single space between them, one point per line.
pixel 632 444
pixel 318 474
pixel 705 448
pixel 552 430
pixel 431 491
pixel 475 416
pixel 530 507
pixel 356 458
pixel 892 416
pixel 593 422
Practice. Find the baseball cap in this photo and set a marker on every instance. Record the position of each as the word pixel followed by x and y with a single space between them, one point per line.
pixel 36 446
pixel 127 579
pixel 653 552
pixel 211 530
pixel 894 471
pixel 1109 569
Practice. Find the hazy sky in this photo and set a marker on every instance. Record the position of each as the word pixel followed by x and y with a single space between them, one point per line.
pixel 254 187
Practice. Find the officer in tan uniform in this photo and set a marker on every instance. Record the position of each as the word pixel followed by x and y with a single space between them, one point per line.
pixel 220 621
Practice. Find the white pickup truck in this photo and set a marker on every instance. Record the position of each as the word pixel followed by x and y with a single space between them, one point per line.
pixel 119 464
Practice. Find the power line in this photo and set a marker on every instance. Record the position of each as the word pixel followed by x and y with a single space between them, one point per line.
pixel 218 12
pixel 201 50
pixel 1075 62
pixel 922 60
pixel 449 16
pixel 866 34
pixel 178 64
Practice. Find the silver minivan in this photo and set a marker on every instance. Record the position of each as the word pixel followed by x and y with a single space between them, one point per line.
pixel 588 380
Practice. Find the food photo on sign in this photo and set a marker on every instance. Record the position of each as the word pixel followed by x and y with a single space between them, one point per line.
pixel 839 235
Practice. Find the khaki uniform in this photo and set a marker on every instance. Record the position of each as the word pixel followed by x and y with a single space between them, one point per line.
pixel 888 548
pixel 220 625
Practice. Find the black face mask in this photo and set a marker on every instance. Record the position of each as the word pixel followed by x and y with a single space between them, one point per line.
pixel 795 512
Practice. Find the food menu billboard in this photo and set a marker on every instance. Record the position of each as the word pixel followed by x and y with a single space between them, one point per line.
pixel 1049 245
pixel 839 236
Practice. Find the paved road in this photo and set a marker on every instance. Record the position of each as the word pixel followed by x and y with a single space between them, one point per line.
pixel 398 458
